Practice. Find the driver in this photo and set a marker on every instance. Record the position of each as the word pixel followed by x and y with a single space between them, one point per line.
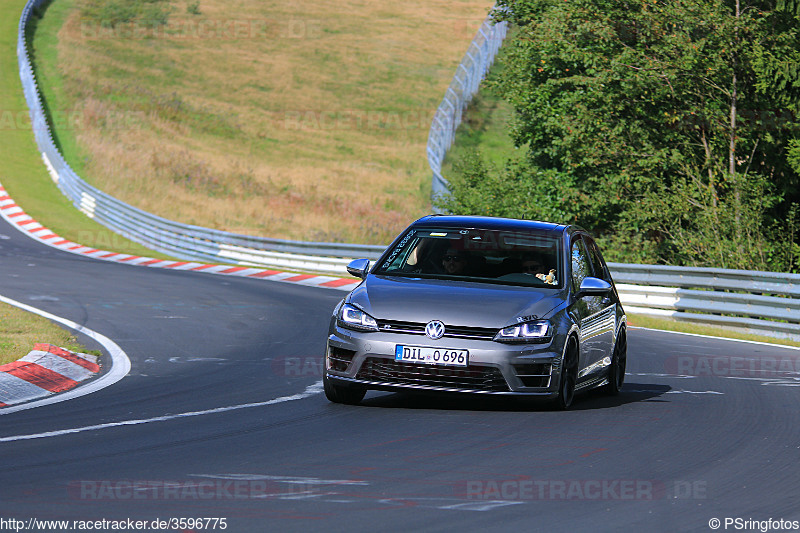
pixel 454 262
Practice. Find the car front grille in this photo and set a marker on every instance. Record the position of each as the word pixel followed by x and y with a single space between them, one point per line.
pixel 474 378
pixel 418 328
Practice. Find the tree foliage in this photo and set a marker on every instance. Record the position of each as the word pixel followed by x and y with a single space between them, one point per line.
pixel 669 128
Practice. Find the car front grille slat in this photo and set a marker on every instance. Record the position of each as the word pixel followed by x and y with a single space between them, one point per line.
pixel 534 375
pixel 418 328
pixel 476 378
pixel 340 358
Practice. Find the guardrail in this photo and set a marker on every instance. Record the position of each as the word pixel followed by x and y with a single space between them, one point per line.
pixel 761 302
pixel 766 303
pixel 204 244
pixel 469 74
pixel 179 240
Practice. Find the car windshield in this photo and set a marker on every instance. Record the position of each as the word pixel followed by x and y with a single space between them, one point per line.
pixel 529 258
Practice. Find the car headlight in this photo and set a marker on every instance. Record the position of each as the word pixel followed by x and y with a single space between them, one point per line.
pixel 353 317
pixel 538 331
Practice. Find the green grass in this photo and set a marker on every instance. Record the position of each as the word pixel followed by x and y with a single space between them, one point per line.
pixel 333 104
pixel 645 321
pixel 20 330
pixel 22 171
pixel 484 127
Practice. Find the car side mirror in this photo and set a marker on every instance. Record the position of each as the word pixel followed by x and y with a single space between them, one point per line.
pixel 593 287
pixel 358 268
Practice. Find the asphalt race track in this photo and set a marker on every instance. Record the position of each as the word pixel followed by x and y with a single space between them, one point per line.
pixel 222 417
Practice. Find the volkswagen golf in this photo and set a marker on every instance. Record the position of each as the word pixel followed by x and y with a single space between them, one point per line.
pixel 480 305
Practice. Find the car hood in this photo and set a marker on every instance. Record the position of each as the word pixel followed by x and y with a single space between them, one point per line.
pixel 452 302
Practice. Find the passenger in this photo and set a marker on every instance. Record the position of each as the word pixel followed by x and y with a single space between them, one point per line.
pixel 423 258
pixel 535 267
pixel 415 258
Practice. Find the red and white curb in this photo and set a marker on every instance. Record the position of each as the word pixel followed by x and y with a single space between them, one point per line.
pixel 44 371
pixel 15 216
pixel 117 365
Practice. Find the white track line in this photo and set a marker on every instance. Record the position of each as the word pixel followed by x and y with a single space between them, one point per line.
pixel 311 390
pixel 771 345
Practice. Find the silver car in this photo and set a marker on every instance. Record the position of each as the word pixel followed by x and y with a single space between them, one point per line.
pixel 480 305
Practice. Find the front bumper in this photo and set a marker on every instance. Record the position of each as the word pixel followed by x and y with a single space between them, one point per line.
pixel 366 359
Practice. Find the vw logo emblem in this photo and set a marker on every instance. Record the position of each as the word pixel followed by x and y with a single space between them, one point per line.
pixel 434 329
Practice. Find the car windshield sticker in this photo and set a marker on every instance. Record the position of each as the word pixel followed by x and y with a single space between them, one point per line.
pixel 398 249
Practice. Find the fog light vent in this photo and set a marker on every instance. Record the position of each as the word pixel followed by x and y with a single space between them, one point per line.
pixel 339 358
pixel 534 375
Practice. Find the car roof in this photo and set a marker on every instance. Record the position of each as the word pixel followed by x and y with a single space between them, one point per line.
pixel 490 223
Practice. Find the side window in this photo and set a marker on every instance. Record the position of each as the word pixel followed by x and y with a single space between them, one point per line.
pixel 598 265
pixel 580 263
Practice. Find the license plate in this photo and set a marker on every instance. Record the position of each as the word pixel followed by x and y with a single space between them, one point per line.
pixel 431 356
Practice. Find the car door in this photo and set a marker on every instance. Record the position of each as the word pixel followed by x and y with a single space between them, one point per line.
pixel 607 320
pixel 591 315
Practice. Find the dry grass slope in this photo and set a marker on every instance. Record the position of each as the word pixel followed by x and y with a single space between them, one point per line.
pixel 301 120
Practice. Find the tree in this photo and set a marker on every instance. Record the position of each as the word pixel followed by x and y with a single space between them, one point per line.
pixel 675 121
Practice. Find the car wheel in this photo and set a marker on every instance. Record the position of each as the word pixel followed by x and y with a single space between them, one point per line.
pixel 341 394
pixel 569 376
pixel 616 371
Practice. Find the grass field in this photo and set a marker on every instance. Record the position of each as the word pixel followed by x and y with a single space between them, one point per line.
pixel 22 172
pixel 302 121
pixel 20 330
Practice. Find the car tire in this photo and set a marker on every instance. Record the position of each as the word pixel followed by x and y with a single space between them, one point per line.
pixel 342 394
pixel 569 376
pixel 616 371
